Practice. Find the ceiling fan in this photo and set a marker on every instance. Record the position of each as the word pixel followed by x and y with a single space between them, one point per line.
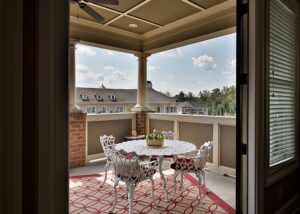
pixel 82 4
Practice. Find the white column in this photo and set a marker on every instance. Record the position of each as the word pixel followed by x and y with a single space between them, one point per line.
pixel 72 77
pixel 141 104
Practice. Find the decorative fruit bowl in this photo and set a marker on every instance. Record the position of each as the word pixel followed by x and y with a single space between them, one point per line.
pixel 155 139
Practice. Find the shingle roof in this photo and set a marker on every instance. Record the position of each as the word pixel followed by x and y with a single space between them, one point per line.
pixel 122 95
pixel 194 104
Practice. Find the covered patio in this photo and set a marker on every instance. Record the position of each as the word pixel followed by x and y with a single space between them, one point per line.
pixel 142 28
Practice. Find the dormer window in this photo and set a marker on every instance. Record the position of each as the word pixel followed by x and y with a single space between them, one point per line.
pixel 84 97
pixel 99 98
pixel 113 98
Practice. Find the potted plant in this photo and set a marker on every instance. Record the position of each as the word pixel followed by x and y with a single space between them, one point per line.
pixel 155 139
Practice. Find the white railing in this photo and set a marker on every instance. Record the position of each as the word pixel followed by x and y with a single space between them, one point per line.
pixel 215 121
pixel 114 121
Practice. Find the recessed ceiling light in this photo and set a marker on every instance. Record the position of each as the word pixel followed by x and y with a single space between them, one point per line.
pixel 133 25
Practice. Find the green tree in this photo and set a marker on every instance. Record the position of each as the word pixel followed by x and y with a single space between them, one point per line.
pixel 181 97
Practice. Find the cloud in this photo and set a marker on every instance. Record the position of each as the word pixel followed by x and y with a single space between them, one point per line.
pixel 153 68
pixel 170 76
pixel 231 65
pixel 85 78
pixel 85 50
pixel 230 72
pixel 109 52
pixel 204 63
pixel 115 74
pixel 171 53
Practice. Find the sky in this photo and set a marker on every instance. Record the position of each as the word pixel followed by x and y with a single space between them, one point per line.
pixel 205 65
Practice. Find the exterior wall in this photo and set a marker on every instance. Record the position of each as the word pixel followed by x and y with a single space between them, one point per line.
pixel 118 125
pixel 227 146
pixel 202 111
pixel 161 125
pixel 111 107
pixel 77 139
pixel 196 133
pixel 118 128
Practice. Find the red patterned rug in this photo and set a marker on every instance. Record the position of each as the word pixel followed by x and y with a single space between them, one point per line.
pixel 85 196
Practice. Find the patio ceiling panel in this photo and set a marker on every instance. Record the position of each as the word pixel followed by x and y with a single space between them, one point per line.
pixel 91 34
pixel 124 5
pixel 207 4
pixel 161 25
pixel 164 12
pixel 124 22
pixel 218 21
pixel 75 11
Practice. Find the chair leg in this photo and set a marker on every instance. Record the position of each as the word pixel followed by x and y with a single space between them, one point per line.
pixel 203 179
pixel 181 179
pixel 106 166
pixel 175 179
pixel 113 176
pixel 199 186
pixel 152 191
pixel 131 188
pixel 115 195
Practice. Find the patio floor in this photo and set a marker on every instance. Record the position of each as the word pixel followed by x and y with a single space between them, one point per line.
pixel 222 186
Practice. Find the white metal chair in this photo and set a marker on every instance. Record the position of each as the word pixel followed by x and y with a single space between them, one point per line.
pixel 129 170
pixel 108 145
pixel 169 135
pixel 195 164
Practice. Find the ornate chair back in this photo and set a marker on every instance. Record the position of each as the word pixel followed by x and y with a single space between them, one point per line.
pixel 127 166
pixel 169 135
pixel 203 154
pixel 108 145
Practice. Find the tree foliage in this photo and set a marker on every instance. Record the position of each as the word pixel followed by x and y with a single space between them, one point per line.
pixel 220 101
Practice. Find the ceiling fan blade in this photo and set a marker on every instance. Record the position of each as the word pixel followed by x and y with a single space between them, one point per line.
pixel 110 2
pixel 92 12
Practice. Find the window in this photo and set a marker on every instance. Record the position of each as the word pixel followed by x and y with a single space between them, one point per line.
pixel 102 109
pixel 119 109
pixel 158 109
pixel 99 98
pixel 113 98
pixel 282 84
pixel 91 109
pixel 84 97
pixel 171 109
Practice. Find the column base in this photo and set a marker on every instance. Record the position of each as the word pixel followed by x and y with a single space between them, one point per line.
pixel 75 108
pixel 139 108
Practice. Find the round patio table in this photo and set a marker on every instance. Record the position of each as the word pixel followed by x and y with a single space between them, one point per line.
pixel 170 148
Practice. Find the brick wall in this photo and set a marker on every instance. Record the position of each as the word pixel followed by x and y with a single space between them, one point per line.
pixel 77 139
pixel 141 122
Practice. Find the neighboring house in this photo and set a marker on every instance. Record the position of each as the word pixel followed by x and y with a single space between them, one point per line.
pixel 107 100
pixel 192 107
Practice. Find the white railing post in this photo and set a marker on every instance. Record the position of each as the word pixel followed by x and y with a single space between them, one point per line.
pixel 216 146
pixel 176 127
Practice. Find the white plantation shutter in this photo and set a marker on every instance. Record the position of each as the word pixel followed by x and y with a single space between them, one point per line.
pixel 282 82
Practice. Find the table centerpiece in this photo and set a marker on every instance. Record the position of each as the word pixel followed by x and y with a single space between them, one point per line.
pixel 155 139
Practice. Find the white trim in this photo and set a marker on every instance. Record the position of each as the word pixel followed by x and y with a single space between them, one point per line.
pixel 104 117
pixel 205 119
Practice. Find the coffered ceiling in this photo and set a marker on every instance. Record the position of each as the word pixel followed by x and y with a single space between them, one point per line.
pixel 140 22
